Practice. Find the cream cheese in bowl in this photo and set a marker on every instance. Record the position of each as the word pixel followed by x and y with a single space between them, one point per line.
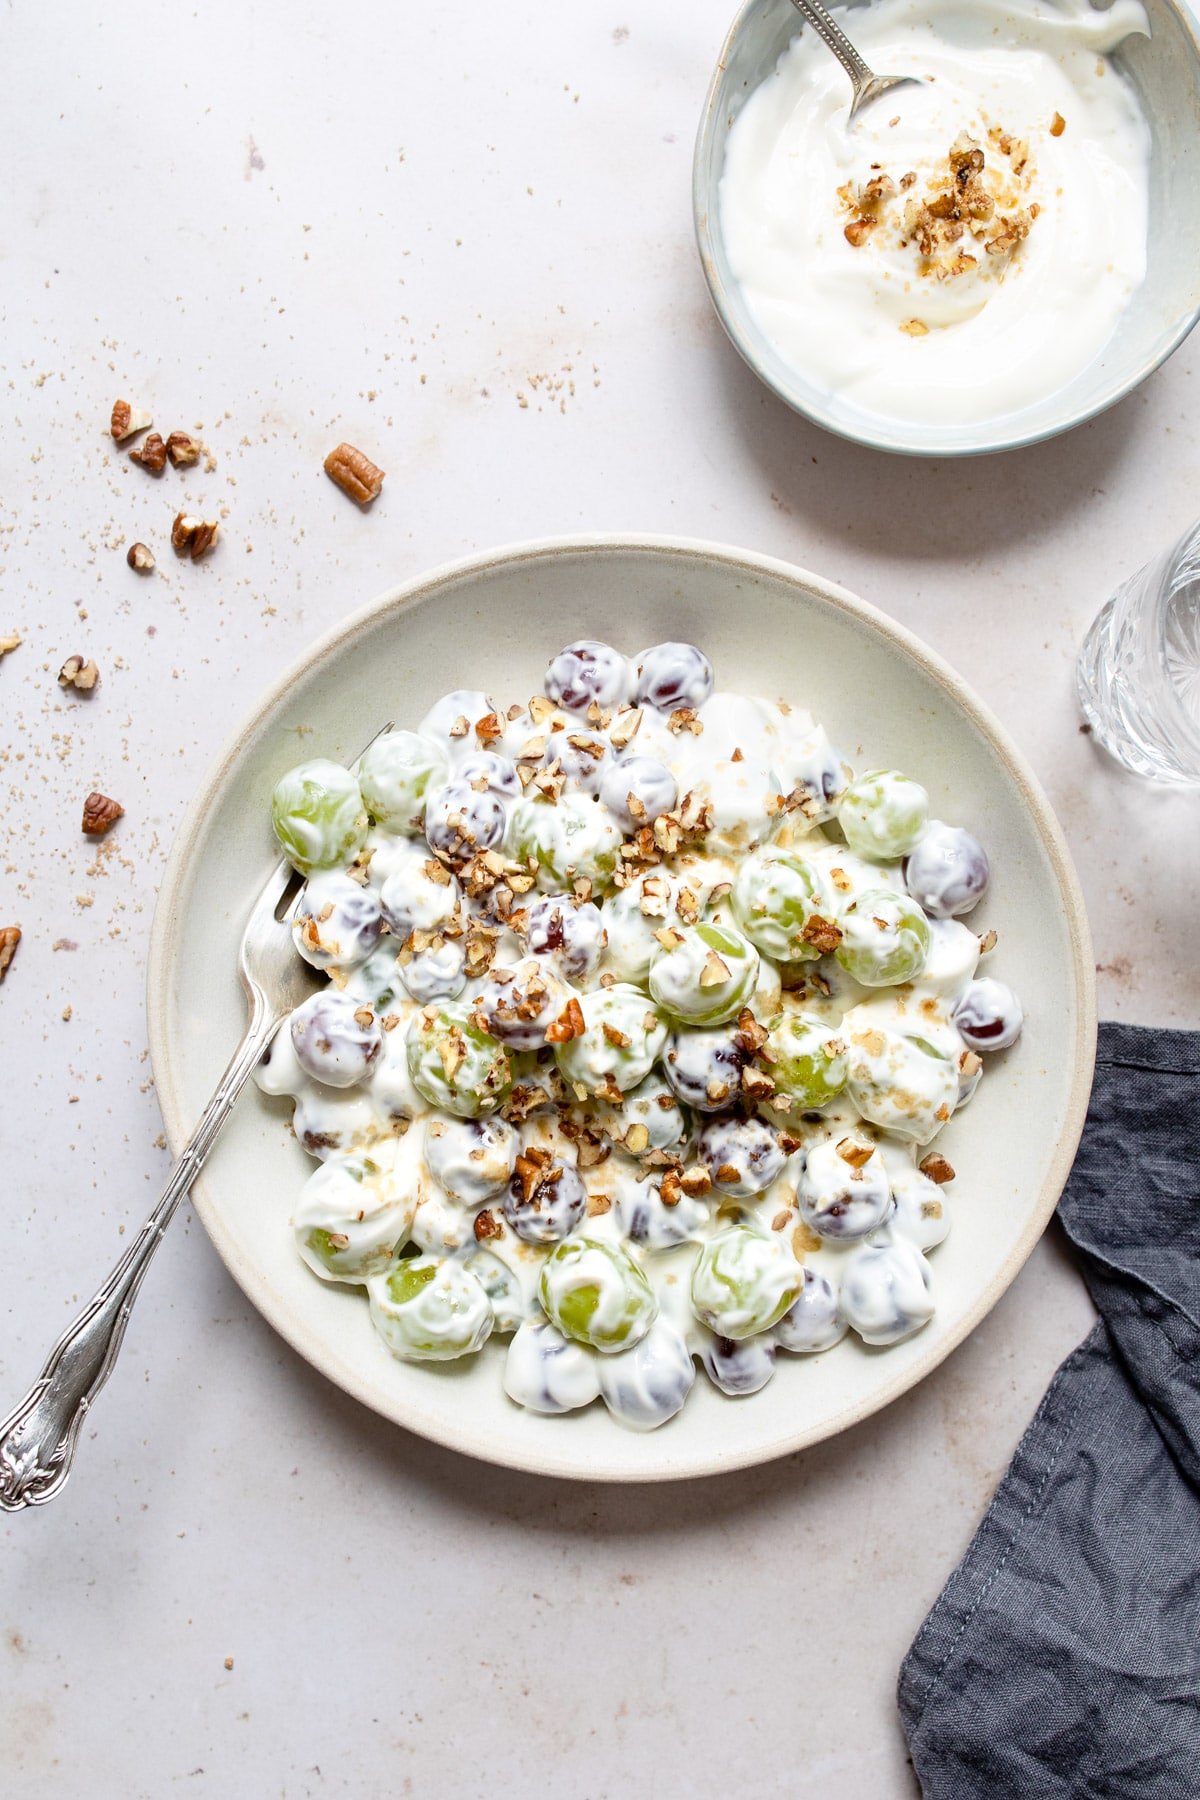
pixel 970 244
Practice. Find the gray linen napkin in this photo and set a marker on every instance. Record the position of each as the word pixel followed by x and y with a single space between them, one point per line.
pixel 1063 1655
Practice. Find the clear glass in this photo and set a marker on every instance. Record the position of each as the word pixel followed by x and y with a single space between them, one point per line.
pixel 1139 669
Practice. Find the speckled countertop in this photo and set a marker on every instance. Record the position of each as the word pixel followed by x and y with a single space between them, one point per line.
pixel 462 240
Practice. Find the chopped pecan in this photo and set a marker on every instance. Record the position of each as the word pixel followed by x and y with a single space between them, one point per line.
pixel 139 557
pixel 354 473
pixel 715 971
pixel 685 718
pixel 9 640
pixel 77 673
pixel 852 1151
pixel 625 727
pixel 822 934
pixel 192 537
pixel 182 450
pixel 10 937
pixel 151 454
pixel 100 814
pixel 935 1168
pixel 670 1191
pixel 487 1225
pixel 128 420
pixel 757 1084
pixel 569 1024
pixel 751 1036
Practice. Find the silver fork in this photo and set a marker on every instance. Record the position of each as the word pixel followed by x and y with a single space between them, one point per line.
pixel 866 84
pixel 39 1437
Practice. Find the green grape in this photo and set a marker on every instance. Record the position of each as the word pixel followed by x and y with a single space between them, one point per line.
pixel 809 1060
pixel 455 1065
pixel 623 1037
pixel 883 814
pixel 569 837
pixel 318 815
pixel 393 775
pixel 903 1084
pixel 885 938
pixel 430 1309
pixel 775 895
pixel 629 931
pixel 595 1293
pixel 353 1214
pixel 744 1281
pixel 705 974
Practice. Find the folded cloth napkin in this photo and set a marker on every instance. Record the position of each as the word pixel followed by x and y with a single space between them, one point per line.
pixel 1063 1656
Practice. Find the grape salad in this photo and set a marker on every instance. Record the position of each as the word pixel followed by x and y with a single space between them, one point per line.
pixel 642 1014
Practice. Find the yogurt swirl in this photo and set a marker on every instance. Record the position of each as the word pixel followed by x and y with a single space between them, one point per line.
pixel 853 311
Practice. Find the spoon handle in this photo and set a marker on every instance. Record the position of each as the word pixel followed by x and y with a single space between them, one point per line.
pixel 832 35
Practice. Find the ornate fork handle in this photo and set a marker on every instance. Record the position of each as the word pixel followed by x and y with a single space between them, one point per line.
pixel 39 1437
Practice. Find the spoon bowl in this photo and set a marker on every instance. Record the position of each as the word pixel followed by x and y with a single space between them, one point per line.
pixel 865 84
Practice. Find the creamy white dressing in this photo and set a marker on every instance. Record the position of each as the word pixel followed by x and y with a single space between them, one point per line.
pixel 795 1221
pixel 864 323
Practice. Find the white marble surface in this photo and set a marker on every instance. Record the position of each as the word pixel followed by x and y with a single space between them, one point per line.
pixel 460 238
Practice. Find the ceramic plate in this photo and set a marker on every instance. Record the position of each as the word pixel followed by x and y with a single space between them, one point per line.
pixel 493 622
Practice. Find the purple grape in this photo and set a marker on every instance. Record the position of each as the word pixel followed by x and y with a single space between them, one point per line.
pixel 544 1203
pixel 989 1015
pixel 496 774
pixel 337 921
pixel 436 973
pixel 569 932
pixel 814 1322
pixel 587 671
pixel 521 1005
pixel 704 1067
pixel 738 1366
pixel 459 822
pixel 671 676
pixel 653 1226
pixel 336 1038
pixel 743 1156
pixel 637 790
pixel 580 756
pixel 947 871
pixel 471 1158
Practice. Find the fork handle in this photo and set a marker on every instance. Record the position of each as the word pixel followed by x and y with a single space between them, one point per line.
pixel 835 39
pixel 39 1437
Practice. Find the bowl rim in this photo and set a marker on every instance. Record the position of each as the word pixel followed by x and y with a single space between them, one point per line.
pixel 706 235
pixel 165 946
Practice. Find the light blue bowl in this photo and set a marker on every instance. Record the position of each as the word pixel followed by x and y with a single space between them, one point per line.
pixel 1165 70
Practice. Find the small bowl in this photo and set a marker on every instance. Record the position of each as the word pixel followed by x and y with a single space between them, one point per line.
pixel 1164 69
pixel 494 621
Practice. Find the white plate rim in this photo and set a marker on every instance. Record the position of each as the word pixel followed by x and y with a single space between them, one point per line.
pixel 165 945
